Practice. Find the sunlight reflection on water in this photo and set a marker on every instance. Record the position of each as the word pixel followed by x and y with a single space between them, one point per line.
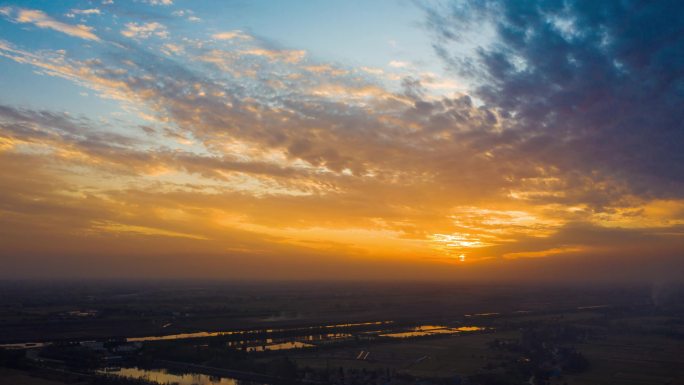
pixel 163 376
pixel 429 330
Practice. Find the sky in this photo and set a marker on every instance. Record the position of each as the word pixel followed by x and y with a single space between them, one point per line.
pixel 485 140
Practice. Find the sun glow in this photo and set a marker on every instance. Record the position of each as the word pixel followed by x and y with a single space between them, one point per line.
pixel 239 147
pixel 458 240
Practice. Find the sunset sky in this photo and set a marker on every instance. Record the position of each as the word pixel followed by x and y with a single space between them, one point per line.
pixel 462 140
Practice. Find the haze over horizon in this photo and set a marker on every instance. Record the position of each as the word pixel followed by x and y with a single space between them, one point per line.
pixel 489 141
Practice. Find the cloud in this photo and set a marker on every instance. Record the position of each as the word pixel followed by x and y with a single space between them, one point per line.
pixel 42 20
pixel 252 149
pixel 371 152
pixel 159 2
pixel 90 11
pixel 288 56
pixel 373 71
pixel 230 35
pixel 399 64
pixel 145 30
pixel 590 92
pixel 188 13
pixel 172 49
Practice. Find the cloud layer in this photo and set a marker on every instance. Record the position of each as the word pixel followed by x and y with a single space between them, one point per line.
pixel 594 88
pixel 230 152
pixel 41 20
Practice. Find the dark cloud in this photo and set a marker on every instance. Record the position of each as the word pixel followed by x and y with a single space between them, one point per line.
pixel 595 87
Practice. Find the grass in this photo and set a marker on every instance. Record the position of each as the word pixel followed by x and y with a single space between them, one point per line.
pixel 632 359
pixel 433 356
pixel 16 377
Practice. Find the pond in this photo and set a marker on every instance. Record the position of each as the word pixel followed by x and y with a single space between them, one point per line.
pixel 163 376
pixel 430 330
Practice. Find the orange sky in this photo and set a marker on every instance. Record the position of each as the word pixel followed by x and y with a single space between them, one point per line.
pixel 225 155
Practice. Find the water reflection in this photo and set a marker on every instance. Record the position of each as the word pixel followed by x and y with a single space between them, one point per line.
pixel 260 345
pixel 250 337
pixel 163 376
pixel 327 337
pixel 254 340
pixel 469 328
pixel 430 330
pixel 247 332
pixel 279 346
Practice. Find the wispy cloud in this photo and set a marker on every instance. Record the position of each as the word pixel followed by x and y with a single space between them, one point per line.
pixel 399 64
pixel 159 2
pixel 145 30
pixel 230 35
pixel 42 20
pixel 288 56
pixel 89 11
